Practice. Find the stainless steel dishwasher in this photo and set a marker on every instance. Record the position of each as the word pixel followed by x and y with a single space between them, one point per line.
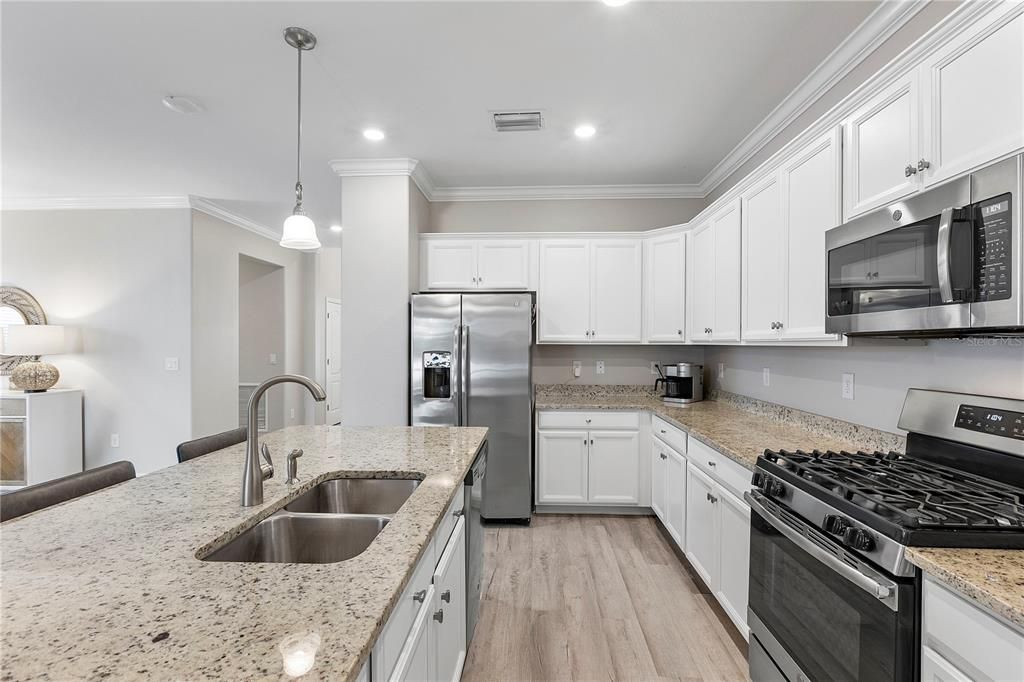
pixel 474 540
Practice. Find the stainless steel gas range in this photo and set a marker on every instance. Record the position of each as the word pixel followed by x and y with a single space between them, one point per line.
pixel 832 594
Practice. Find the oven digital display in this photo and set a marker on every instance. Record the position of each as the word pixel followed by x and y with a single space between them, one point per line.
pixel 987 420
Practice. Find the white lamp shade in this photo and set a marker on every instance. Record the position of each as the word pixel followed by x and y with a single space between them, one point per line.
pixel 299 233
pixel 34 339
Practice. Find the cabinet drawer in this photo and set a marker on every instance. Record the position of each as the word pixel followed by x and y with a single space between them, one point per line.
pixel 559 419
pixel 734 476
pixel 671 435
pixel 451 516
pixel 974 641
pixel 393 636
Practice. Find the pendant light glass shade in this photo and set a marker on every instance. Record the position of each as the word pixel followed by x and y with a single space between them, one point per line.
pixel 299 233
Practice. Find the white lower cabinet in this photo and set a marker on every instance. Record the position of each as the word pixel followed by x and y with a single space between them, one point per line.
pixel 614 467
pixel 415 664
pixel 701 524
pixel 659 479
pixel 448 619
pixel 675 495
pixel 562 462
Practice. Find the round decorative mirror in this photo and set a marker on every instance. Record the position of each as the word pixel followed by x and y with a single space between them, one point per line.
pixel 17 306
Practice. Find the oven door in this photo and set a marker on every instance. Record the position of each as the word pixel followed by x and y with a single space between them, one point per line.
pixel 819 613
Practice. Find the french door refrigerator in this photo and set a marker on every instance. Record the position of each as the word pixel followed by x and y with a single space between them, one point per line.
pixel 471 366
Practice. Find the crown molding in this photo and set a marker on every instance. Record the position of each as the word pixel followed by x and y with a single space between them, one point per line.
pixel 528 193
pixel 91 203
pixel 212 208
pixel 355 168
pixel 878 27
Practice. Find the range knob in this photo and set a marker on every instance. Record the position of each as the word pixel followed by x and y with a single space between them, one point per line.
pixel 858 539
pixel 836 525
pixel 757 480
pixel 774 488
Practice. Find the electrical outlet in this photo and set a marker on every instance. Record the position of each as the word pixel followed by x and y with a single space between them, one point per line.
pixel 292 413
pixel 766 376
pixel 600 366
pixel 577 368
pixel 273 358
pixel 847 387
pixel 171 364
pixel 721 370
pixel 115 440
pixel 654 368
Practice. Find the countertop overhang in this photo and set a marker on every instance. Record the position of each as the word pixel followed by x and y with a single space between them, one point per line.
pixel 109 585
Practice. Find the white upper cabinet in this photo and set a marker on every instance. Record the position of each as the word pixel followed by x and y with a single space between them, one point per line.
pixel 664 288
pixel 700 289
pixel 727 273
pixel 972 95
pixel 493 264
pixel 763 250
pixel 881 149
pixel 563 298
pixel 590 291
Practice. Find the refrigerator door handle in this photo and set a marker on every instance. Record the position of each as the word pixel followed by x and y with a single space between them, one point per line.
pixel 464 376
pixel 457 373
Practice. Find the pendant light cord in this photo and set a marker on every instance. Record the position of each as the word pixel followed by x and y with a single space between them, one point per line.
pixel 298 144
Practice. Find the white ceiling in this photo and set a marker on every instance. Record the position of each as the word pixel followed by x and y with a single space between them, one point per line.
pixel 672 87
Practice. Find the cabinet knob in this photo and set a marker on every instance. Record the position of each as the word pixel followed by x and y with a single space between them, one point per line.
pixel 420 596
pixel 712 464
pixel 587 420
pixel 922 165
pixel 909 170
pixel 446 596
pixel 679 331
pixel 458 512
pixel 663 430
pixel 708 496
pixel 663 455
pixel 439 615
pixel 713 499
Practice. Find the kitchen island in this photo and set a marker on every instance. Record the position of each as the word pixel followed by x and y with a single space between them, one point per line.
pixel 110 586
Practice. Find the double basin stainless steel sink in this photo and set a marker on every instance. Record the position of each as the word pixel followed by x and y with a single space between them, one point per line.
pixel 333 521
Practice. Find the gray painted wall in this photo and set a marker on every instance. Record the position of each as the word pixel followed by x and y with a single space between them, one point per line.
pixel 120 280
pixel 810 378
pixel 261 328
pixel 623 364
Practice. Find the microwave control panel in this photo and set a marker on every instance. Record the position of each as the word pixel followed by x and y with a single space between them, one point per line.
pixel 992 249
pixel 988 420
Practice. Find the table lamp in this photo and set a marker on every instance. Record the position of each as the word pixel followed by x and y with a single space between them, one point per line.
pixel 34 339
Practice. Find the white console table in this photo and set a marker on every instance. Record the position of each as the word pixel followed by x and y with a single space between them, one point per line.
pixel 40 436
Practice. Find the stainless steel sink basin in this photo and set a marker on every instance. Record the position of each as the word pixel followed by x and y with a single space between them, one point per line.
pixel 355 496
pixel 285 537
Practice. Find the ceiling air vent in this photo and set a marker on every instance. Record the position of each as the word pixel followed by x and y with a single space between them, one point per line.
pixel 516 121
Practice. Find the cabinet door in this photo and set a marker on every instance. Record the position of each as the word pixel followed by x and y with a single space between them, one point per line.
pixel 616 287
pixel 416 663
pixel 659 484
pixel 665 268
pixel 450 264
pixel 701 525
pixel 700 288
pixel 934 668
pixel 563 298
pixel 727 273
pixel 614 467
pixel 811 207
pixel 972 96
pixel 734 559
pixel 763 257
pixel 881 141
pixel 562 467
pixel 448 617
pixel 675 496
pixel 503 264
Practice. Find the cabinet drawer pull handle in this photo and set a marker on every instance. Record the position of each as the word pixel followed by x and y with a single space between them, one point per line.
pixel 458 512
pixel 439 615
pixel 588 421
pixel 712 464
pixel 446 596
pixel 420 596
pixel 663 431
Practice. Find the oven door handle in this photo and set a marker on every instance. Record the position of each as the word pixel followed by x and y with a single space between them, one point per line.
pixel 942 256
pixel 884 593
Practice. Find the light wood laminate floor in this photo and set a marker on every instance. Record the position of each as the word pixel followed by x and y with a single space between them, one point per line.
pixel 596 598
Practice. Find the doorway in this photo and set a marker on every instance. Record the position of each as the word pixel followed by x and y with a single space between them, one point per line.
pixel 332 356
pixel 261 345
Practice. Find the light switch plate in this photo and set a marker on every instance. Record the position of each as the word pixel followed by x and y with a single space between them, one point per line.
pixel 600 366
pixel 273 358
pixel 847 386
pixel 577 368
pixel 654 368
pixel 115 440
pixel 721 370
pixel 171 364
pixel 766 376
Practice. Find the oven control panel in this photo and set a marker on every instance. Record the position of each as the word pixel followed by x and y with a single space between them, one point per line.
pixel 992 248
pixel 988 420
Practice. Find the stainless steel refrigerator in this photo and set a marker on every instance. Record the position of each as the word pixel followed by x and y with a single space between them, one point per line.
pixel 471 366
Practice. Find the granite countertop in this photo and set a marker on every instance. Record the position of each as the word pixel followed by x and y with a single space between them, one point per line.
pixel 992 577
pixel 109 585
pixel 739 434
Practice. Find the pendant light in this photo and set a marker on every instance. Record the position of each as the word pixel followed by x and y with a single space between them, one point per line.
pixel 299 230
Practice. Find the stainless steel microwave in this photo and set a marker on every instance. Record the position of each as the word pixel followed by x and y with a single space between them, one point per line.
pixel 943 263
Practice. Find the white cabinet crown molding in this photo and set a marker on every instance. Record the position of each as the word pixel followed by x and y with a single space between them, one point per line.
pixel 353 168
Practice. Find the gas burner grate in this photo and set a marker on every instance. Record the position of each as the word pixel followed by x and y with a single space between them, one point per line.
pixel 910 492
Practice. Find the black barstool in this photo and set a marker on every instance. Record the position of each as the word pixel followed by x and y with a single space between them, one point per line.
pixel 207 444
pixel 43 495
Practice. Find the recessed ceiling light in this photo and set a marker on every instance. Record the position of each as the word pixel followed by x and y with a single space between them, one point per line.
pixel 615 3
pixel 373 134
pixel 335 228
pixel 585 131
pixel 182 105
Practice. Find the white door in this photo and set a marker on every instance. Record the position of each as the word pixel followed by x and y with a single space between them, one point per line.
pixel 675 496
pixel 972 96
pixel 881 149
pixel 701 525
pixel 562 467
pixel 450 264
pixel 416 662
pixel 614 467
pixel 665 270
pixel 659 485
pixel 734 560
pixel 700 289
pixel 763 255
pixel 727 273
pixel 616 287
pixel 811 207
pixel 563 297
pixel 503 264
pixel 333 361
pixel 449 608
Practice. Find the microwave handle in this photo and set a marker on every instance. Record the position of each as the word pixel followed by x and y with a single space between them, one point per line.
pixel 942 255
